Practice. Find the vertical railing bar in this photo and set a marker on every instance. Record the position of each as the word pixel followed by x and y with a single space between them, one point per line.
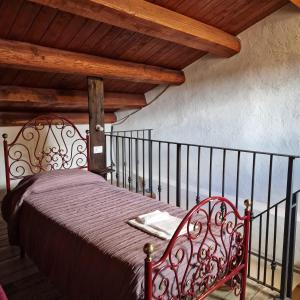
pixel 150 167
pixel 168 174
pixel 149 134
pixel 268 217
pixel 259 247
pixel 292 245
pixel 198 175
pixel 159 170
pixel 273 265
pixel 187 176
pixel 124 161
pixel 137 164
pixel 223 172
pixel 252 201
pixel 237 179
pixel 285 276
pixel 111 157
pixel 117 161
pixel 210 176
pixel 143 145
pixel 178 175
pixel 129 163
pixel 210 172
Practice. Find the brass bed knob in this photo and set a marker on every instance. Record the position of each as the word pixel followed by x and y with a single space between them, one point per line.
pixel 148 250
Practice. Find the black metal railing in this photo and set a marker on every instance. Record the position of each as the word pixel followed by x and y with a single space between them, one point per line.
pixel 183 174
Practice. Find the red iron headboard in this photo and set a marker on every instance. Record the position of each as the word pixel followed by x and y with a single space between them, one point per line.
pixel 47 142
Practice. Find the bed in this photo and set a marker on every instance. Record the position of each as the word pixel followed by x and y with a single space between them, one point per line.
pixel 73 224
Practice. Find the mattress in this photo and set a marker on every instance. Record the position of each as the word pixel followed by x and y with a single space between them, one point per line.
pixel 73 225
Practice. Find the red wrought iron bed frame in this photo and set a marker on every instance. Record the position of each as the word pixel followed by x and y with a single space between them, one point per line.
pixel 29 152
pixel 204 270
pixel 213 251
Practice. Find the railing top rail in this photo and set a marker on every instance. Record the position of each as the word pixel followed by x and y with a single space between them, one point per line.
pixel 122 131
pixel 274 205
pixel 206 146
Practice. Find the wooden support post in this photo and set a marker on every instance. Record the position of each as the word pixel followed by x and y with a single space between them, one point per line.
pixel 96 121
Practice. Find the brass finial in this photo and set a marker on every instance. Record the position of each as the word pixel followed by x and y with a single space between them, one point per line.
pixel 5 136
pixel 148 250
pixel 247 204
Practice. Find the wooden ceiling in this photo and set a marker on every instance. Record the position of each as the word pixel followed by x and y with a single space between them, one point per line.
pixel 29 22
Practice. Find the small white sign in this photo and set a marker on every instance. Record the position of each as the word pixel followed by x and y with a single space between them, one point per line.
pixel 98 149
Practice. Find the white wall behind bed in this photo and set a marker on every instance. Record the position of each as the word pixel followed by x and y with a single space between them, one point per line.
pixel 250 101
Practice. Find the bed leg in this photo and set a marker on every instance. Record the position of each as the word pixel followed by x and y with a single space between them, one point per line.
pixel 22 252
pixel 148 249
pixel 243 285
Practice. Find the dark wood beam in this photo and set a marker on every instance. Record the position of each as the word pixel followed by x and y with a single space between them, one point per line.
pixel 153 20
pixel 17 98
pixel 20 118
pixel 296 2
pixel 96 121
pixel 27 56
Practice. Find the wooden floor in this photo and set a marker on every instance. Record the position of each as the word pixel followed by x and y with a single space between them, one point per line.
pixel 22 280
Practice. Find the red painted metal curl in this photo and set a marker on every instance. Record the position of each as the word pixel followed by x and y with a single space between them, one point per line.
pixel 212 252
pixel 29 153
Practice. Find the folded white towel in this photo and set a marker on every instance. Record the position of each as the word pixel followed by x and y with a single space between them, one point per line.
pixel 153 217
pixel 168 226
pixel 159 224
pixel 148 229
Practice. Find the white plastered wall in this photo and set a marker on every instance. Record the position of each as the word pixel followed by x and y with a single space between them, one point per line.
pixel 250 101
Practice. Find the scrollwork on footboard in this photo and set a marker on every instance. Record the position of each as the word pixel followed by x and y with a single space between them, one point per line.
pixel 212 251
pixel 45 143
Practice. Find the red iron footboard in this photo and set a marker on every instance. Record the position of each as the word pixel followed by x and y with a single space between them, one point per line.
pixel 29 153
pixel 211 253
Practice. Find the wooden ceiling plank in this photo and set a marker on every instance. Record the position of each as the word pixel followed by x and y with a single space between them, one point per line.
pixel 33 57
pixel 69 32
pixel 53 32
pixel 18 98
pixel 253 14
pixel 21 118
pixel 7 76
pixel 96 36
pixel 87 29
pixel 8 13
pixel 154 20
pixel 40 25
pixel 24 20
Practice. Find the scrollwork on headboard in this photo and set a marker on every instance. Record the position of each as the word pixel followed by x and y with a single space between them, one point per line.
pixel 45 143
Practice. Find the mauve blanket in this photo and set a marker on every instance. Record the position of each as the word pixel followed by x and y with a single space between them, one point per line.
pixel 73 226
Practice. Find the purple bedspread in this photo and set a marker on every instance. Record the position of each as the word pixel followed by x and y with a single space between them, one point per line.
pixel 72 224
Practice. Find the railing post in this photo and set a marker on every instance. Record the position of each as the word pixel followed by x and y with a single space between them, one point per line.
pixel 178 175
pixel 292 245
pixel 288 238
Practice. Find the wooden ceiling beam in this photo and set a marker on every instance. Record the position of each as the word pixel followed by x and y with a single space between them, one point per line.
pixel 27 56
pixel 153 20
pixel 296 2
pixel 14 98
pixel 21 118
